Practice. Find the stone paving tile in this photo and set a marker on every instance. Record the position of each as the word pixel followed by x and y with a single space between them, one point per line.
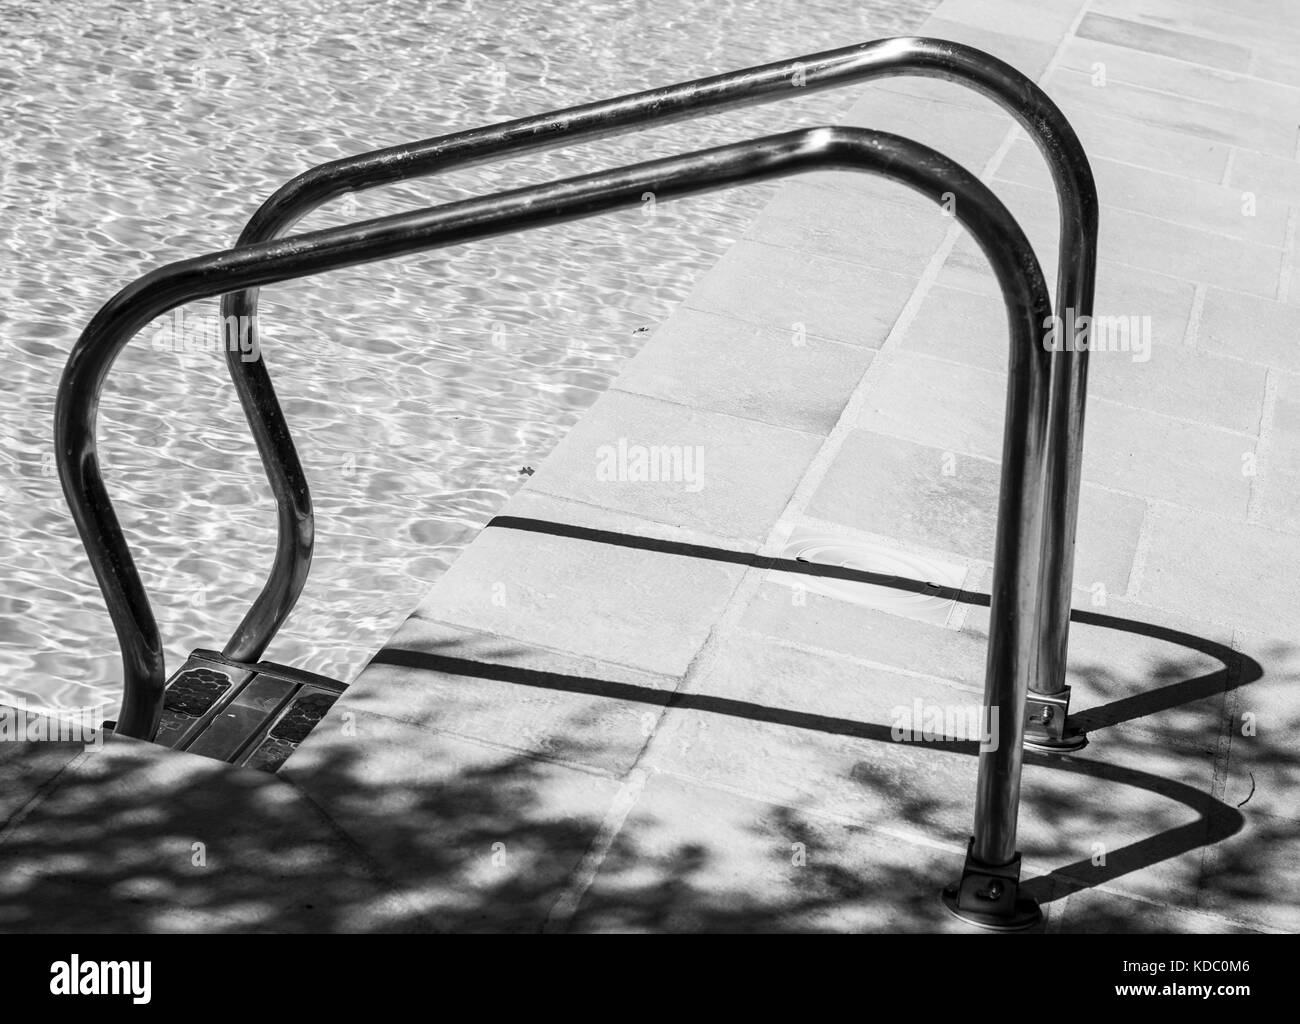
pixel 1135 239
pixel 942 404
pixel 1280 475
pixel 895 488
pixel 1250 327
pixel 1276 67
pixel 754 669
pixel 1175 73
pixel 488 689
pixel 1104 135
pixel 1239 575
pixel 1279 509
pixel 1263 29
pixel 644 609
pixel 836 766
pixel 899 235
pixel 1114 137
pixel 783 289
pixel 137 838
pixel 1195 204
pixel 1254 875
pixel 1046 20
pixel 26 769
pixel 476 837
pixel 1251 129
pixel 1256 10
pixel 1172 379
pixel 1165 42
pixel 957 409
pixel 964 327
pixel 1180 381
pixel 1164 458
pixel 707 361
pixel 693 859
pixel 821 621
pixel 1266 175
pixel 1105 913
pixel 727 475
pixel 1263 769
pixel 970 326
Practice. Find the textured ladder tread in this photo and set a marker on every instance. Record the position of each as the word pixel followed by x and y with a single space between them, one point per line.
pixel 252 715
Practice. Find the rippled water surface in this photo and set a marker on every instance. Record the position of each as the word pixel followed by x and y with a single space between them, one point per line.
pixel 135 134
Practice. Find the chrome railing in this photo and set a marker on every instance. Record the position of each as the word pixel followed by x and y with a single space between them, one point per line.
pixel 934 58
pixel 1037 509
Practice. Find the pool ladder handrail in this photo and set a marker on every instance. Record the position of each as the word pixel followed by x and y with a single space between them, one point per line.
pixel 1048 707
pixel 988 891
pixel 992 859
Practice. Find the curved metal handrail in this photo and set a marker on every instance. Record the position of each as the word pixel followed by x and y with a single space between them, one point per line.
pixel 992 867
pixel 1018 95
pixel 1014 593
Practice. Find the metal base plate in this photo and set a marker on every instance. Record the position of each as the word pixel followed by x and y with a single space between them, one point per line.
pixel 1047 725
pixel 1071 741
pixel 1027 914
pixel 988 895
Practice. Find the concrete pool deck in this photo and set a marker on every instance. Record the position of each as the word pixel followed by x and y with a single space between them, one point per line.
pixel 614 713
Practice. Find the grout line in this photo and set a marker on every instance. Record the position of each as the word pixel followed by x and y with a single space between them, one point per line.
pixel 975 368
pixel 873 827
pixel 1194 317
pixel 624 389
pixel 675 531
pixel 1158 171
pixel 1140 552
pixel 1288 258
pixel 1056 911
pixel 1122 265
pixel 1227 166
pixel 1289 247
pixel 758 326
pixel 47 788
pixel 802 647
pixel 534 645
pixel 1222 755
pixel 1263 447
pixel 566 905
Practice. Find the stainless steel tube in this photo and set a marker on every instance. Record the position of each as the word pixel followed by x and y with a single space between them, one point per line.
pixel 935 58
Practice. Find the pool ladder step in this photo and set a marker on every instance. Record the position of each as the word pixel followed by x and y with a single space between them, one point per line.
pixel 250 715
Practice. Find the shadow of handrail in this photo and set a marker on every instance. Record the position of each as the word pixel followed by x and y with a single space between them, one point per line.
pixel 1238 668
pixel 1216 820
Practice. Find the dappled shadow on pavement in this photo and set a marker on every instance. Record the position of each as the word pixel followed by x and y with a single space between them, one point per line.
pixel 371 831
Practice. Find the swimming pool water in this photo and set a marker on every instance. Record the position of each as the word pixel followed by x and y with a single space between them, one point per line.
pixel 136 134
